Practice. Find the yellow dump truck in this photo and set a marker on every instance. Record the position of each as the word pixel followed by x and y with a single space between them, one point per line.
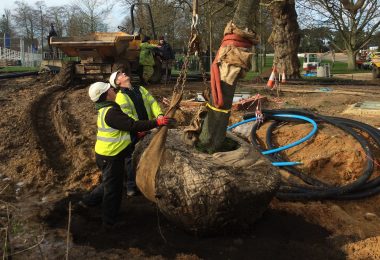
pixel 102 53
pixel 375 60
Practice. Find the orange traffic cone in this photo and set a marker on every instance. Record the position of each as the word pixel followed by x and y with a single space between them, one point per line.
pixel 272 79
pixel 283 78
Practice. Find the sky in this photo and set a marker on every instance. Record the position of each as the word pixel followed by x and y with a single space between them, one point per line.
pixel 116 17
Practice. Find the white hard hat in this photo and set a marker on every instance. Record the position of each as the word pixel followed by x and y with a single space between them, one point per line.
pixel 97 89
pixel 113 79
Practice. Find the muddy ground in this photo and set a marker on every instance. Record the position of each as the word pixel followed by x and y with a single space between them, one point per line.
pixel 47 163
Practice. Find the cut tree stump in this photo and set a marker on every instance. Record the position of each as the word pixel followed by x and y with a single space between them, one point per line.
pixel 210 194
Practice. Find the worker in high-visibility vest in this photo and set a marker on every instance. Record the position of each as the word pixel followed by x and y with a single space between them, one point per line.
pixel 113 145
pixel 138 103
pixel 134 100
pixel 146 60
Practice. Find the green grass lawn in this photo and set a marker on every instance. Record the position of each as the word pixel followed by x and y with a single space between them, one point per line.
pixel 341 68
pixel 338 68
pixel 18 69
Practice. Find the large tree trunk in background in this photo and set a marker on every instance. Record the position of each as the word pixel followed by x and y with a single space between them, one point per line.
pixel 351 59
pixel 255 59
pixel 285 37
pixel 214 127
pixel 264 56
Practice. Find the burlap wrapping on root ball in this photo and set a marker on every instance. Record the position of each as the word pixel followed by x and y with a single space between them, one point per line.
pixel 209 194
pixel 151 156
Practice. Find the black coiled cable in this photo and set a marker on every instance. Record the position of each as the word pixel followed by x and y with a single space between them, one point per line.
pixel 314 189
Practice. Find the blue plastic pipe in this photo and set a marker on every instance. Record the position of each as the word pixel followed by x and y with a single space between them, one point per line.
pixel 307 137
pixel 241 123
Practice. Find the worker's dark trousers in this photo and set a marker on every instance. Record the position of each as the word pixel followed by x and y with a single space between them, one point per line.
pixel 110 191
pixel 131 174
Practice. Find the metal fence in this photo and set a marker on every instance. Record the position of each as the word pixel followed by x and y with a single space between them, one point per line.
pixel 14 51
pixel 20 58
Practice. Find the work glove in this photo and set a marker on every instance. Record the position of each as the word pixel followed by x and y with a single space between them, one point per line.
pixel 165 120
pixel 141 135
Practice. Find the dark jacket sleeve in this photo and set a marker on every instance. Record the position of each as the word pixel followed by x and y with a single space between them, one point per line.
pixel 115 118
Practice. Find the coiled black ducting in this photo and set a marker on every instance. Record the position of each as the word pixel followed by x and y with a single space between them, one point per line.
pixel 314 189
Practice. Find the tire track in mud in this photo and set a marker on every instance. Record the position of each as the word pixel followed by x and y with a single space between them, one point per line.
pixel 55 129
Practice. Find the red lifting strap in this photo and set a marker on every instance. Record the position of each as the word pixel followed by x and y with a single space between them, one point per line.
pixel 216 89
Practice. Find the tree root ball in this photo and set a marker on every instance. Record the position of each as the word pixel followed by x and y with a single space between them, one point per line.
pixel 209 194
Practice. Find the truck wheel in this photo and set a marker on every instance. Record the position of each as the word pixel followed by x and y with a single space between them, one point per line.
pixel 66 74
pixel 156 77
pixel 375 72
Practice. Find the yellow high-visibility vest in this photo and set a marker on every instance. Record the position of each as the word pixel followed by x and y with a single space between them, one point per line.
pixel 152 107
pixel 109 141
pixel 146 55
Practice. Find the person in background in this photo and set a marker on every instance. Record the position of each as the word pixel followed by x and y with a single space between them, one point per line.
pixel 139 104
pixel 52 33
pixel 113 145
pixel 146 60
pixel 167 56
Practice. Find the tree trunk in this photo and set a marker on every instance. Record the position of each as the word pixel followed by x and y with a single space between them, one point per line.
pixel 215 123
pixel 211 194
pixel 213 133
pixel 264 56
pixel 255 60
pixel 351 59
pixel 285 37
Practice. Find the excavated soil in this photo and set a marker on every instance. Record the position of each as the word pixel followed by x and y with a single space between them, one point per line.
pixel 47 163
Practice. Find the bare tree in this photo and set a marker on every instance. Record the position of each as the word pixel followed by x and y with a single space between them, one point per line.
pixel 74 24
pixel 265 31
pixel 5 24
pixel 93 13
pixel 173 19
pixel 59 16
pixel 41 8
pixel 26 19
pixel 315 39
pixel 217 14
pixel 355 22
